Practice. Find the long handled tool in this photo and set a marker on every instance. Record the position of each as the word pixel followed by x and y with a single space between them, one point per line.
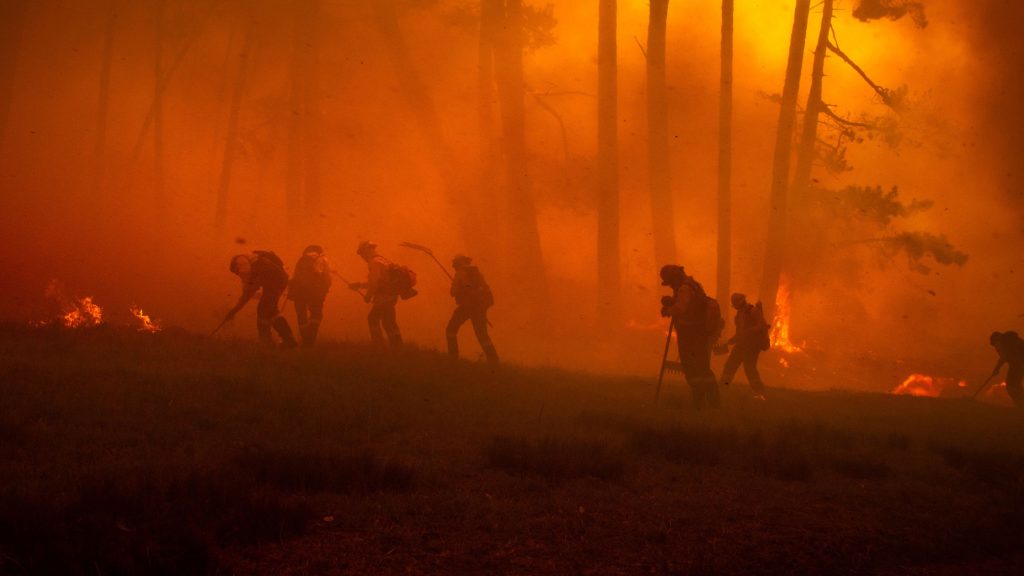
pixel 430 253
pixel 667 365
pixel 349 284
pixel 219 326
pixel 983 386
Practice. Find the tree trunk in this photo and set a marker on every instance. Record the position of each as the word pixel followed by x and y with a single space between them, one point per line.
pixel 777 219
pixel 293 157
pixel 12 12
pixel 158 114
pixel 422 106
pixel 230 143
pixel 725 159
pixel 809 136
pixel 311 127
pixel 525 260
pixel 103 110
pixel 662 215
pixel 607 166
pixel 484 204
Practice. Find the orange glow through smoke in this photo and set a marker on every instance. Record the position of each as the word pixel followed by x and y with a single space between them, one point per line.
pixel 780 324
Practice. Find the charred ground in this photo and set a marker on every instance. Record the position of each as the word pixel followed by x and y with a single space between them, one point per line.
pixel 171 453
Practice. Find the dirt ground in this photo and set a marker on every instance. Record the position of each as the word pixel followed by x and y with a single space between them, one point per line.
pixel 129 453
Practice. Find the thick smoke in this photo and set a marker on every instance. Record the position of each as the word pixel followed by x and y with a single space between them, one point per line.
pixel 867 10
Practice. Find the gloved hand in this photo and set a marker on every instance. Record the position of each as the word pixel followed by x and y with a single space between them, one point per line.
pixel 230 315
pixel 367 298
pixel 995 371
pixel 667 301
pixel 665 312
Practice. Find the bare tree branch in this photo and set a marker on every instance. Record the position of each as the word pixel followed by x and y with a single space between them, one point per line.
pixel 884 93
pixel 641 46
pixel 843 121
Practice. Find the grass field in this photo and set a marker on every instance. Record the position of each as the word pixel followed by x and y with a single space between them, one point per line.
pixel 170 453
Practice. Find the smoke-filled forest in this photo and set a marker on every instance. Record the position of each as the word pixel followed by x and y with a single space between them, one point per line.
pixel 853 166
pixel 145 143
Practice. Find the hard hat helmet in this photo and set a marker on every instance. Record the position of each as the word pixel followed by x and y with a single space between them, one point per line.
pixel 366 246
pixel 461 260
pixel 671 274
pixel 314 248
pixel 737 298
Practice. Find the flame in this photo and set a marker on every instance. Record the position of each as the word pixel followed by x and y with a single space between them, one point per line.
pixel 83 313
pixel 925 385
pixel 143 321
pixel 779 335
pixel 783 362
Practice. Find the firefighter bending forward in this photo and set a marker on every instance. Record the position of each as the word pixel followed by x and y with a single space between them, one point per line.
pixel 263 271
pixel 472 298
pixel 688 309
pixel 382 294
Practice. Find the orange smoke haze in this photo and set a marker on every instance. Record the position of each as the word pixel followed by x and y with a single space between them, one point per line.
pixel 353 118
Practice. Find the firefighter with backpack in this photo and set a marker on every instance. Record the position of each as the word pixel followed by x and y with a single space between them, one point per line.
pixel 263 271
pixel 472 298
pixel 308 289
pixel 386 283
pixel 750 340
pixel 692 316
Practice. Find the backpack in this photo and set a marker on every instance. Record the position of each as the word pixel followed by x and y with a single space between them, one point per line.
pixel 269 255
pixel 474 290
pixel 764 337
pixel 275 264
pixel 711 319
pixel 402 279
pixel 714 322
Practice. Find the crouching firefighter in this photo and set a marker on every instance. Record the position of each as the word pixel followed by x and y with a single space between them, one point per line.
pixel 750 340
pixel 386 282
pixel 1011 351
pixel 688 308
pixel 472 299
pixel 263 271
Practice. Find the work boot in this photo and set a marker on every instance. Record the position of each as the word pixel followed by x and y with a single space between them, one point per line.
pixel 395 339
pixel 285 332
pixel 490 353
pixel 266 338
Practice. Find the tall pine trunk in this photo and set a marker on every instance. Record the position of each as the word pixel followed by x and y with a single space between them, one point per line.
pixel 302 164
pixel 523 237
pixel 12 13
pixel 312 199
pixel 294 151
pixel 725 159
pixel 231 138
pixel 777 219
pixel 809 135
pixel 158 115
pixel 103 109
pixel 483 205
pixel 607 166
pixel 421 104
pixel 660 175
